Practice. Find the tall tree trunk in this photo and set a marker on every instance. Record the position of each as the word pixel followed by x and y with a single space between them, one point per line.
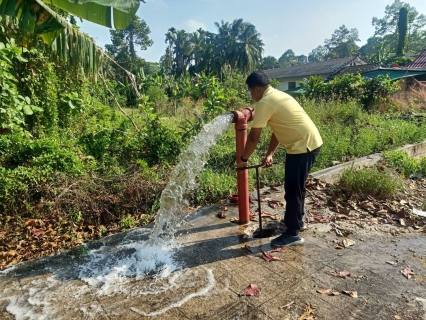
pixel 402 31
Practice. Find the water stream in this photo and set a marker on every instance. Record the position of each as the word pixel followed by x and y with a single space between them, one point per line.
pixel 138 263
pixel 174 199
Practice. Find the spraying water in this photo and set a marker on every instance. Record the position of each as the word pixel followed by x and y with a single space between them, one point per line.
pixel 112 268
pixel 174 202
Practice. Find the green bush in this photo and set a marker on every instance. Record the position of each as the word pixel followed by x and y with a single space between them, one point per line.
pixel 213 185
pixel 369 92
pixel 370 181
pixel 162 145
pixel 402 162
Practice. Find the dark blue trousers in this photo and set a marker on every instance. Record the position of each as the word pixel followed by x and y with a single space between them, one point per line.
pixel 297 168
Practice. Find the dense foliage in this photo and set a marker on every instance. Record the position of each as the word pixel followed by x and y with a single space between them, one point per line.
pixel 369 92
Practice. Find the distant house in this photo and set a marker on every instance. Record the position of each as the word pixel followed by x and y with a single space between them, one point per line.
pixel 290 77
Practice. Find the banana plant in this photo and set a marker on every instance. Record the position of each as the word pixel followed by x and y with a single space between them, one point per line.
pixel 35 16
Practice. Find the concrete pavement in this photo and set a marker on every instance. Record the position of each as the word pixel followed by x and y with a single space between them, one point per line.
pixel 215 266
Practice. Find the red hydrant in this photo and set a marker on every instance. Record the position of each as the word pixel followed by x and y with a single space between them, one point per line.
pixel 241 117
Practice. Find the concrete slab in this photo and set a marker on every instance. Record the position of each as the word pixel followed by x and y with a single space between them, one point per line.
pixel 218 260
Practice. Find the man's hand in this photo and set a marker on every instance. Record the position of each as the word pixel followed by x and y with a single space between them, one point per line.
pixel 267 162
pixel 241 164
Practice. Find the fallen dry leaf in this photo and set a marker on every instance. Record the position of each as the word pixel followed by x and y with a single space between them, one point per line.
pixel 33 222
pixel 397 317
pixel 324 291
pixel 270 257
pixel 251 290
pixel 352 294
pixel 37 232
pixel 221 215
pixel 272 205
pixel 348 242
pixel 341 274
pixel 392 263
pixel 344 274
pixel 307 315
pixel 407 272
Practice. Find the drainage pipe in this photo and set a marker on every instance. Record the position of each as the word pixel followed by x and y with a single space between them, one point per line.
pixel 241 117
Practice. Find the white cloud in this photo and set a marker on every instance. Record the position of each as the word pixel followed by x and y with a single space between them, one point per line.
pixel 193 25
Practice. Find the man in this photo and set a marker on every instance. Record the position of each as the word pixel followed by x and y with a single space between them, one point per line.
pixel 293 129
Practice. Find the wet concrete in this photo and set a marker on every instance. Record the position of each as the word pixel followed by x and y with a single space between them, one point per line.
pixel 217 266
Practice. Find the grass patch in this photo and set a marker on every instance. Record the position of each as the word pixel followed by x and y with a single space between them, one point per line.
pixel 370 181
pixel 403 163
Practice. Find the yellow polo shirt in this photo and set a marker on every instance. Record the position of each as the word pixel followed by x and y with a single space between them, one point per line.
pixel 289 122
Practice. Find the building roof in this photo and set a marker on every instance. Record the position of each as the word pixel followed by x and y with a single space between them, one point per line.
pixel 395 73
pixel 324 68
pixel 420 61
pixel 355 69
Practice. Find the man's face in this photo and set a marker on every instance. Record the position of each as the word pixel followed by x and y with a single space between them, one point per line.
pixel 256 93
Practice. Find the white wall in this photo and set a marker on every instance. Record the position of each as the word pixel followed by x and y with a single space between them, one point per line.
pixel 284 82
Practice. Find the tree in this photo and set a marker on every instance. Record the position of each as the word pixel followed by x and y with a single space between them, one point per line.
pixel 376 50
pixel 402 31
pixel 246 52
pixel 318 54
pixel 180 47
pixel 342 43
pixel 125 42
pixel 123 50
pixel 388 26
pixel 288 59
pixel 270 62
pixel 239 45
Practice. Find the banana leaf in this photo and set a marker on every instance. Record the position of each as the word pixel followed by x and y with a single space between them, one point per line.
pixel 75 47
pixel 121 12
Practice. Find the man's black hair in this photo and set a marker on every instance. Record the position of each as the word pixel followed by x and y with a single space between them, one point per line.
pixel 257 79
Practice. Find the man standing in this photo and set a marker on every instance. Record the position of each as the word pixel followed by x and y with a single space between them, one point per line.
pixel 292 128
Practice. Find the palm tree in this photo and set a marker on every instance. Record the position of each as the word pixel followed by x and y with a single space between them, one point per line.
pixel 179 45
pixel 239 45
pixel 247 51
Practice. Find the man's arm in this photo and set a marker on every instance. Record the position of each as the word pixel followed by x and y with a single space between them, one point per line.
pixel 252 140
pixel 273 145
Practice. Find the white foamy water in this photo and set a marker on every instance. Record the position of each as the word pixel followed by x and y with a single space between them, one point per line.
pixel 128 269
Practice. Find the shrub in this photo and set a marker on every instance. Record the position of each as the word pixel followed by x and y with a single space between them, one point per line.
pixel 213 185
pixel 368 92
pixel 162 145
pixel 402 162
pixel 370 181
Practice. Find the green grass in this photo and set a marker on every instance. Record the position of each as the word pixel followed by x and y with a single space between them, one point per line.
pixel 405 164
pixel 370 181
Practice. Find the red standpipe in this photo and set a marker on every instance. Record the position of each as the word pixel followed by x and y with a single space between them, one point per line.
pixel 241 117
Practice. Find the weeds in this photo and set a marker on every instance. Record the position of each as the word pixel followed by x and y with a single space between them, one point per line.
pixel 370 181
pixel 80 251
pixel 127 222
pixel 405 164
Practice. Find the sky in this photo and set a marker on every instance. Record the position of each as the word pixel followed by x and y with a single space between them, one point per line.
pixel 298 25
